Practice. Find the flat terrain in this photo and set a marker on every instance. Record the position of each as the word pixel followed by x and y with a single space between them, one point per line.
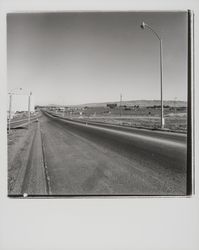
pixel 148 117
pixel 76 158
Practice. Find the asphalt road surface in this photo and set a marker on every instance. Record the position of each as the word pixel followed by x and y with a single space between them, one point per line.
pixel 85 159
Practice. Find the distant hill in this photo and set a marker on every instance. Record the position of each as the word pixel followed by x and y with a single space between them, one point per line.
pixel 141 103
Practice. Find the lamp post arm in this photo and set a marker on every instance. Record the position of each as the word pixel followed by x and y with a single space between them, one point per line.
pixel 154 32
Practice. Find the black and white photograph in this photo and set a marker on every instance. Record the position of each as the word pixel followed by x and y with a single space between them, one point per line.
pixel 98 103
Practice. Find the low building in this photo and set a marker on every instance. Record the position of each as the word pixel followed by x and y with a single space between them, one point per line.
pixel 111 105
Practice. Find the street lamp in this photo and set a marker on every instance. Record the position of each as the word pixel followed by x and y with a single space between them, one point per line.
pixel 143 26
pixel 10 106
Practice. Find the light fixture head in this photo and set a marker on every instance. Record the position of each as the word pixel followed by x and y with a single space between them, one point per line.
pixel 143 25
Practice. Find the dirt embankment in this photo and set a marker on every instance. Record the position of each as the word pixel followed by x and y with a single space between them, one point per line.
pixel 25 161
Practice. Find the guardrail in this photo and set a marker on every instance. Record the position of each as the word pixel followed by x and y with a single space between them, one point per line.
pixel 22 122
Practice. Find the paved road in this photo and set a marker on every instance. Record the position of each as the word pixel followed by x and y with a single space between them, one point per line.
pixel 93 159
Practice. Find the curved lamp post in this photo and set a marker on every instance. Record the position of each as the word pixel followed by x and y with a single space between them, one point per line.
pixel 143 26
pixel 10 105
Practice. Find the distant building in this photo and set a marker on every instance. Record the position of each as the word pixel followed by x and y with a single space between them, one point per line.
pixel 61 109
pixel 111 105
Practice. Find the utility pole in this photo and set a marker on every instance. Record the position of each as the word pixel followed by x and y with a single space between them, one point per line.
pixel 120 104
pixel 175 98
pixel 10 106
pixel 64 111
pixel 29 102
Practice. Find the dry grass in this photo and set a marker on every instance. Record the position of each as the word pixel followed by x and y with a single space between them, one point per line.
pixel 178 124
pixel 175 119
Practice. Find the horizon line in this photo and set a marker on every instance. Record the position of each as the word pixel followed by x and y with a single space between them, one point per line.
pixel 103 102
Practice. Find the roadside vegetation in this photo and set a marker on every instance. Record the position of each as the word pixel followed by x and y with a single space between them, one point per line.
pixel 134 116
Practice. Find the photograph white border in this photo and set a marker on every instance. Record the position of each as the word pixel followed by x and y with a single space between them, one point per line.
pixel 95 223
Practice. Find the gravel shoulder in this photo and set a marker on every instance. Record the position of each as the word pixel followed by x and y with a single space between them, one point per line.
pixel 25 173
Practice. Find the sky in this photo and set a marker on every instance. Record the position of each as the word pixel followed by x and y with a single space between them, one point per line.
pixel 76 58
